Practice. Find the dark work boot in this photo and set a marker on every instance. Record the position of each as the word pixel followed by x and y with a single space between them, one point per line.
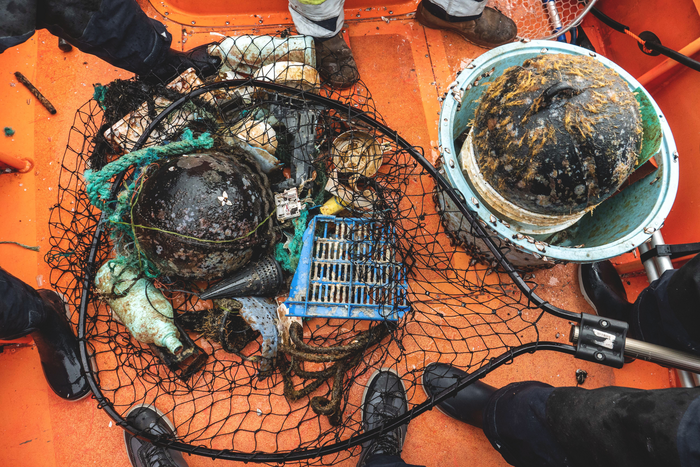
pixel 335 62
pixel 175 63
pixel 385 399
pixel 42 314
pixel 144 454
pixel 58 350
pixel 468 404
pixel 602 288
pixel 490 29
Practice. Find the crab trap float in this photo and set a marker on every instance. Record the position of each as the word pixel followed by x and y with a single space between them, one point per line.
pixel 544 213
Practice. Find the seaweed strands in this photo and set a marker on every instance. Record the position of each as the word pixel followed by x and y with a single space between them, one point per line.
pixel 222 324
pixel 342 357
pixel 234 323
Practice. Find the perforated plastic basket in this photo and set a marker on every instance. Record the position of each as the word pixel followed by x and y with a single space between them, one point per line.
pixel 348 269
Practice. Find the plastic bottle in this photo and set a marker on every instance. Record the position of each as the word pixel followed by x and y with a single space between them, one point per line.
pixel 139 306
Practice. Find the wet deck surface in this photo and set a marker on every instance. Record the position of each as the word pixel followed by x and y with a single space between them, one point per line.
pixel 406 67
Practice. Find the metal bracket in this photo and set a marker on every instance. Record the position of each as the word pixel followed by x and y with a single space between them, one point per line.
pixel 600 340
pixel 672 251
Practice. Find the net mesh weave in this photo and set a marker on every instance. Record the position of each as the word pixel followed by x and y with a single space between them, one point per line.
pixel 535 19
pixel 463 312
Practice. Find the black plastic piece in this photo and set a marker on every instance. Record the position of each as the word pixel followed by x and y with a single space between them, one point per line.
pixel 64 45
pixel 672 251
pixel 650 38
pixel 262 278
pixel 602 340
pixel 581 39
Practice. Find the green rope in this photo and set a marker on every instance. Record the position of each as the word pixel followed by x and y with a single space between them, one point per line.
pixel 33 248
pixel 288 256
pixel 289 252
pixel 98 189
pixel 99 185
pixel 100 94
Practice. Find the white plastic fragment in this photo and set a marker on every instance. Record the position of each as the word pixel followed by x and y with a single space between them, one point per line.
pixel 293 74
pixel 126 132
pixel 246 54
pixel 288 204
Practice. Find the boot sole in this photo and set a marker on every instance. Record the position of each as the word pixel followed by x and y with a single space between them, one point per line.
pixel 583 291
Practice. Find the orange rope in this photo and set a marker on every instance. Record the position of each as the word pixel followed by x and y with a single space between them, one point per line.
pixel 639 39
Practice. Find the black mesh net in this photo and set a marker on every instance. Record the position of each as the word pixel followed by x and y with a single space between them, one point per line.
pixel 258 387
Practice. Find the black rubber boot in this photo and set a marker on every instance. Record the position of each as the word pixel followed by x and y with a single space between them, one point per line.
pixel 602 288
pixel 385 399
pixel 58 350
pixel 42 314
pixel 468 404
pixel 144 454
pixel 175 63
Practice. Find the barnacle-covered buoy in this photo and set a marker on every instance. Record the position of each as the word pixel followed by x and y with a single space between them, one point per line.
pixel 202 216
pixel 557 135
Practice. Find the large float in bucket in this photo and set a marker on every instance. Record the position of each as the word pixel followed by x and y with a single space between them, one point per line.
pixel 617 225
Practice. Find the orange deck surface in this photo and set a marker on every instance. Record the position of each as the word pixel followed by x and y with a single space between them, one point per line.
pixel 406 67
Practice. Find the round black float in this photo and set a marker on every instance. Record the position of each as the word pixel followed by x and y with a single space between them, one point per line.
pixel 558 134
pixel 202 216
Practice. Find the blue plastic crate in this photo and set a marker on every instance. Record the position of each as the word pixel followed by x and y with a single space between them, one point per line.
pixel 348 269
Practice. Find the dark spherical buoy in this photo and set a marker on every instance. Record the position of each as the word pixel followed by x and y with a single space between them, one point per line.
pixel 558 134
pixel 204 215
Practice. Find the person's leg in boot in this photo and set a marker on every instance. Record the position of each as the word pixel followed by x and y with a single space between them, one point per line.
pixel 663 314
pixel 467 405
pixel 517 430
pixel 602 288
pixel 141 453
pixel 534 424
pixel 120 33
pixel 384 399
pixel 471 19
pixel 625 427
pixel 42 314
pixel 324 22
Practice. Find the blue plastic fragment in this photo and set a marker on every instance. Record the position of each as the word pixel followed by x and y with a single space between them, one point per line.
pixel 348 269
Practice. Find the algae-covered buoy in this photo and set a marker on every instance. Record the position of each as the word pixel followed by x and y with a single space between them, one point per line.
pixel 557 135
pixel 202 216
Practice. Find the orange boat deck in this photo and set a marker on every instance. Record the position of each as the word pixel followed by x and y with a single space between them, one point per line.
pixel 406 68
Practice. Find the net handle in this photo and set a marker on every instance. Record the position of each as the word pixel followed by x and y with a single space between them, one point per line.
pixel 303 454
pixel 573 24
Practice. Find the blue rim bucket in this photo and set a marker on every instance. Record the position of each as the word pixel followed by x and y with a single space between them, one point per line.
pixel 618 225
